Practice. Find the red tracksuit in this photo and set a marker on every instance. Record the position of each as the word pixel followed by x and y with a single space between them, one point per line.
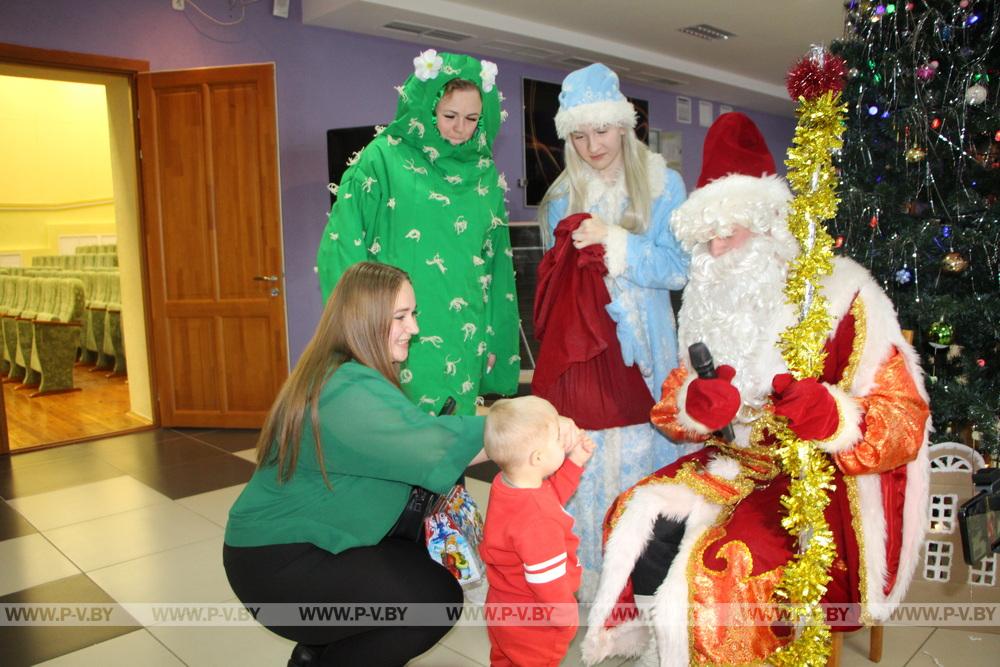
pixel 530 553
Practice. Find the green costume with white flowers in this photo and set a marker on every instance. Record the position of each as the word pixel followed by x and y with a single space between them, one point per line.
pixel 413 200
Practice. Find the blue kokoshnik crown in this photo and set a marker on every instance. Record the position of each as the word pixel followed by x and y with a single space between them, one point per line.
pixel 590 96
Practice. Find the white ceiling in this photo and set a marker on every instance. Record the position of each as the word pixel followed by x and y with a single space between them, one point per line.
pixel 638 38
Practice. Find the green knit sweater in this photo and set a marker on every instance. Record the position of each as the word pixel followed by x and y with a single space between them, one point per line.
pixel 376 445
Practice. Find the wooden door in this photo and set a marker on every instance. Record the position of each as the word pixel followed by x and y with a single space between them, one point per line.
pixel 213 235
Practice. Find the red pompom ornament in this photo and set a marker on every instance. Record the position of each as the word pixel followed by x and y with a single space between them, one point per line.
pixel 817 73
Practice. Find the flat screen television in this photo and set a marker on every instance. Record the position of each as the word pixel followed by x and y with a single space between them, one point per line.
pixel 341 144
pixel 543 150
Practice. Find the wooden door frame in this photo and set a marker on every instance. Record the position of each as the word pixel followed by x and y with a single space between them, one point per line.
pixel 129 68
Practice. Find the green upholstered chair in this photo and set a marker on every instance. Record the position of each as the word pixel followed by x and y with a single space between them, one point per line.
pixel 8 288
pixel 97 307
pixel 89 278
pixel 22 329
pixel 42 298
pixel 114 343
pixel 56 338
pixel 9 324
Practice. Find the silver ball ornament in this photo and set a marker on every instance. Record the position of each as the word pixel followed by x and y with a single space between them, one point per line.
pixel 975 94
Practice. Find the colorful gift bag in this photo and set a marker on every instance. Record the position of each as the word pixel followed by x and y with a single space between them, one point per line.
pixel 454 529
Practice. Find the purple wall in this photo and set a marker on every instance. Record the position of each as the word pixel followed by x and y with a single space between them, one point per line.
pixel 325 79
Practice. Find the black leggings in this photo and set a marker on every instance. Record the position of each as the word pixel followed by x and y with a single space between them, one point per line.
pixel 391 572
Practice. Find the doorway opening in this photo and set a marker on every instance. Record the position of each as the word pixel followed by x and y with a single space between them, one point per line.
pixel 70 206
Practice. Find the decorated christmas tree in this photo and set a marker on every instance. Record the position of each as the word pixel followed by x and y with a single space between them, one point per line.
pixel 920 181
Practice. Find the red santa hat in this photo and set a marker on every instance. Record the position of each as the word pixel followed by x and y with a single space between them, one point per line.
pixel 737 186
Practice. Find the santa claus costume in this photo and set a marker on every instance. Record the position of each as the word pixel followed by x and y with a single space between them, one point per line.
pixel 868 412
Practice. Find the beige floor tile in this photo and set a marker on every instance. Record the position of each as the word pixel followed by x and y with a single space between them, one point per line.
pixel 29 561
pixel 248 454
pixel 899 644
pixel 213 505
pixel 214 647
pixel 189 573
pixel 959 648
pixel 574 657
pixel 442 656
pixel 87 501
pixel 121 537
pixel 135 648
pixel 470 641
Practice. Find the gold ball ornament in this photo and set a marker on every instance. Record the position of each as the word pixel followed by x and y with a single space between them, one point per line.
pixel 954 262
pixel 915 154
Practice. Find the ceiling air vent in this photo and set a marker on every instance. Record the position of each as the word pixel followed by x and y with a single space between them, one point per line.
pixel 519 49
pixel 705 31
pixel 411 28
pixel 426 31
pixel 665 81
pixel 534 52
pixel 576 62
pixel 447 35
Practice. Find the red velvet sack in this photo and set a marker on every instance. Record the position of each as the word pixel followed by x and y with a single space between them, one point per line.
pixel 580 368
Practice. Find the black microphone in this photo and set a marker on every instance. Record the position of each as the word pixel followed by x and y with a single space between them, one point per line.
pixel 701 360
pixel 448 407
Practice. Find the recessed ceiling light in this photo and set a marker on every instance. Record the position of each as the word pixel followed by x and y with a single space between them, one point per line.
pixel 705 31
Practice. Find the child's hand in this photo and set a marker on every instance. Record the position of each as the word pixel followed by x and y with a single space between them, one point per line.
pixel 583 448
pixel 567 433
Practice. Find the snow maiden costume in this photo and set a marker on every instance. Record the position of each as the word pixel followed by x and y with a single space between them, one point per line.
pixel 436 210
pixel 641 269
pixel 868 412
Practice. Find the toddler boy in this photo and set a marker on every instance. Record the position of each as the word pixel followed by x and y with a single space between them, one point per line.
pixel 528 543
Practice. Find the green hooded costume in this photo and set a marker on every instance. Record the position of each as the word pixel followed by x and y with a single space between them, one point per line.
pixel 435 210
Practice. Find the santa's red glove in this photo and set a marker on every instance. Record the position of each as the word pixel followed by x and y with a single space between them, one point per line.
pixel 713 402
pixel 807 404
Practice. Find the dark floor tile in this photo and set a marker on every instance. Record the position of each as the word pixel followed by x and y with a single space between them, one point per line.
pixel 230 439
pixel 17 480
pixel 12 524
pixel 191 430
pixel 31 644
pixel 141 437
pixel 485 471
pixel 137 452
pixel 187 479
pixel 21 460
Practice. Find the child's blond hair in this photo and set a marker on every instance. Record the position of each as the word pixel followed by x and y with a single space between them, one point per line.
pixel 513 425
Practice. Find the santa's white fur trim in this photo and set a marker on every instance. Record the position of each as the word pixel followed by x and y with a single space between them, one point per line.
pixel 849 431
pixel 875 534
pixel 616 251
pixel 626 544
pixel 759 204
pixel 850 280
pixel 671 608
pixel 724 467
pixel 683 417
pixel 595 114
pixel 881 335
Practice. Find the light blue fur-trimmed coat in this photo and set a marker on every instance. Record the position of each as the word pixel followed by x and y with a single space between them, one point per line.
pixel 642 269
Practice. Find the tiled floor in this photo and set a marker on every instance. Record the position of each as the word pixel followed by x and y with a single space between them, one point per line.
pixel 140 518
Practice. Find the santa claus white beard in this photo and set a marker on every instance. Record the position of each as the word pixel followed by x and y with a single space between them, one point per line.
pixel 735 304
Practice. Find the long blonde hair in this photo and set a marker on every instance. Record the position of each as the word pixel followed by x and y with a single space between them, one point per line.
pixel 354 326
pixel 572 183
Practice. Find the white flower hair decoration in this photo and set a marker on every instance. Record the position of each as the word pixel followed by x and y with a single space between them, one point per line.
pixel 488 74
pixel 427 65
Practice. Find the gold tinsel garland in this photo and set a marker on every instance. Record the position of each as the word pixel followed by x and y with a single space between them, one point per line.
pixel 813 180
